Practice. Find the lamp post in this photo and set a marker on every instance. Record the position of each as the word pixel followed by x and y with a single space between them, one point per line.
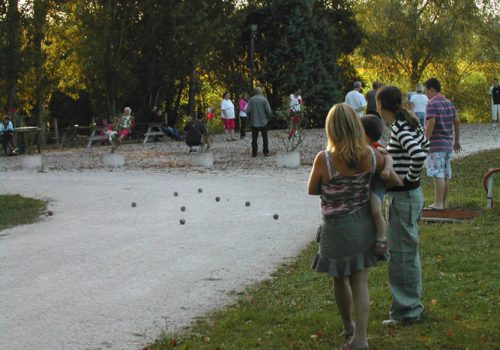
pixel 253 34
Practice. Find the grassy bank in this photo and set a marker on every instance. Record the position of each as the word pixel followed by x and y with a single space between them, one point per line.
pixel 18 210
pixel 295 308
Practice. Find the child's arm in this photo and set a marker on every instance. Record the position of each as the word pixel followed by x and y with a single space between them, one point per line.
pixel 388 174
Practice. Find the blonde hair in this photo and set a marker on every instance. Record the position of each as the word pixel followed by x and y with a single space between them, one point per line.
pixel 345 134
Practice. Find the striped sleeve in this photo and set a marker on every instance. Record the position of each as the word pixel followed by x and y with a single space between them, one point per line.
pixel 410 150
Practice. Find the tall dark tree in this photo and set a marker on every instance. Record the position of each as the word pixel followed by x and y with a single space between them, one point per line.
pixel 13 47
pixel 40 11
pixel 296 49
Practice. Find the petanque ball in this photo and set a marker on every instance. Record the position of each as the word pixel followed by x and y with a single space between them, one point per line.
pixel 217 199
pixel 276 216
pixel 50 213
pixel 200 190
pixel 134 204
pixel 182 221
pixel 247 204
pixel 183 208
pixel 175 194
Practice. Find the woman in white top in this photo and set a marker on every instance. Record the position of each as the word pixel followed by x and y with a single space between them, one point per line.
pixel 227 109
pixel 418 104
pixel 296 101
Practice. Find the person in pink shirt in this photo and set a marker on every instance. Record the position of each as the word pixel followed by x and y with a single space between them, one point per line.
pixel 243 114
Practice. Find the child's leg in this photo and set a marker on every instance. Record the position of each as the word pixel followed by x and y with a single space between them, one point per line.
pixel 378 218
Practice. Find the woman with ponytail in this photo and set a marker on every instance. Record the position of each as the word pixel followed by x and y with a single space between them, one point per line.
pixel 408 148
pixel 341 174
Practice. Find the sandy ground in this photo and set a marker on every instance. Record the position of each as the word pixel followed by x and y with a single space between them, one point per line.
pixel 100 274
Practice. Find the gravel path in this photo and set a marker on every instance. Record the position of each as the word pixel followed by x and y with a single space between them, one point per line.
pixel 100 274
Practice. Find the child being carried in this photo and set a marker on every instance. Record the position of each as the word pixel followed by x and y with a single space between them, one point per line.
pixel 388 178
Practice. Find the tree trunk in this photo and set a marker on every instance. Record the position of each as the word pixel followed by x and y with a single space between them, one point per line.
pixel 13 19
pixel 40 17
pixel 192 93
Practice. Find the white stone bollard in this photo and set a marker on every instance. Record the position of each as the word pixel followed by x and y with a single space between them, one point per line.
pixel 205 160
pixel 31 162
pixel 288 159
pixel 113 160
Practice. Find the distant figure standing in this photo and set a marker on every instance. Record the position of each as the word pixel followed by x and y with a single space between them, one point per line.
pixel 356 100
pixel 495 103
pixel 243 114
pixel 441 119
pixel 418 104
pixel 227 109
pixel 371 106
pixel 125 123
pixel 296 102
pixel 259 111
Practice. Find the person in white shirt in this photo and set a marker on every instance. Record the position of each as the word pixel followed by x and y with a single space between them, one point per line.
pixel 296 101
pixel 356 100
pixel 418 104
pixel 227 109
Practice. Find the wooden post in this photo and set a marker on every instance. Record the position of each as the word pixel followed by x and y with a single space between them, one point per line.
pixel 56 129
pixel 489 186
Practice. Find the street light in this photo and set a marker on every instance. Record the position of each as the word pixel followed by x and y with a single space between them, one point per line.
pixel 253 34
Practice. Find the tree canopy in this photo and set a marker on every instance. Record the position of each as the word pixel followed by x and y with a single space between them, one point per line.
pixel 98 56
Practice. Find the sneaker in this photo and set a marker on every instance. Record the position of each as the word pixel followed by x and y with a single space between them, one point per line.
pixel 391 322
pixel 404 321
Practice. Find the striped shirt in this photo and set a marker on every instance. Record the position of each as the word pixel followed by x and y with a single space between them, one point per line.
pixel 444 113
pixel 408 149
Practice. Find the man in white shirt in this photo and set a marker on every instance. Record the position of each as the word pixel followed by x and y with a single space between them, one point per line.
pixel 356 100
pixel 418 104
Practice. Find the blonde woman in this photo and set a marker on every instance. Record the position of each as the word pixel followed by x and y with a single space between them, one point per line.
pixel 341 175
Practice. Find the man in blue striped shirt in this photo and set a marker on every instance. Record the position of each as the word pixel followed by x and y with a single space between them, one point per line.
pixel 441 119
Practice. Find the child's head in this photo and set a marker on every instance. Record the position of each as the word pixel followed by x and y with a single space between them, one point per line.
pixel 6 119
pixel 373 127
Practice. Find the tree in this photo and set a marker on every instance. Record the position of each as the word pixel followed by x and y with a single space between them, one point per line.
pixel 296 49
pixel 40 11
pixel 13 47
pixel 410 35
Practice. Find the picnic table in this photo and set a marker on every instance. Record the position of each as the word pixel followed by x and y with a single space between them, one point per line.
pixel 74 133
pixel 154 130
pixel 26 136
pixel 83 135
pixel 95 135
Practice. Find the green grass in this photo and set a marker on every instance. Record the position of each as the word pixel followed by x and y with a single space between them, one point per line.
pixel 295 308
pixel 18 210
